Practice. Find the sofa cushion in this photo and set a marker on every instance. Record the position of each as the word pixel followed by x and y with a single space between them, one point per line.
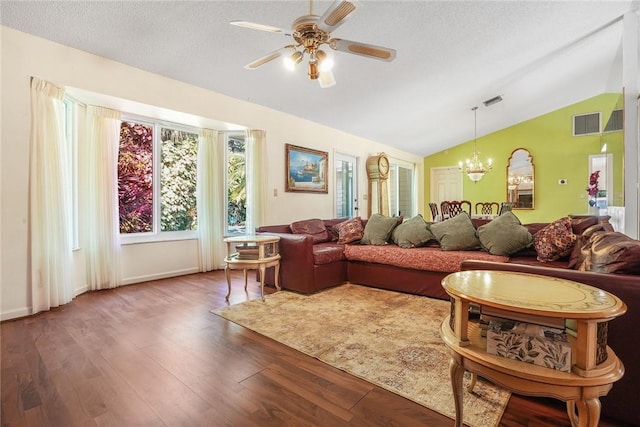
pixel 612 252
pixel 330 225
pixel 350 230
pixel 412 233
pixel 505 235
pixel 554 241
pixel 378 230
pixel 582 247
pixel 456 234
pixel 579 225
pixel 313 227
pixel 325 253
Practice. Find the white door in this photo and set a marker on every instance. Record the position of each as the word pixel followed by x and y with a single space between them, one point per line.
pixel 446 184
pixel 346 179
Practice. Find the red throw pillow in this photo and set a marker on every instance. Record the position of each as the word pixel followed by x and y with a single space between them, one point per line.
pixel 554 241
pixel 350 230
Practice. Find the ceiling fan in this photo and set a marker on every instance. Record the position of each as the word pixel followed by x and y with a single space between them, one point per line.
pixel 309 33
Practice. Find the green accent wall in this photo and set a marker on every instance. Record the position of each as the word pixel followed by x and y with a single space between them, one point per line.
pixel 557 154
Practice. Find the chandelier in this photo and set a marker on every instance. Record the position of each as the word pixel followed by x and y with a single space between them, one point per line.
pixel 473 167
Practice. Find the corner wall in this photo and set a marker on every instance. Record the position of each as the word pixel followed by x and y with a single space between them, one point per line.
pixel 24 56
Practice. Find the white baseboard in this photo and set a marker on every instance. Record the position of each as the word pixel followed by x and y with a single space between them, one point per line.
pixel 163 275
pixel 26 311
pixel 14 314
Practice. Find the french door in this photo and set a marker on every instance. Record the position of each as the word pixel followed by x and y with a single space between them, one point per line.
pixel 346 179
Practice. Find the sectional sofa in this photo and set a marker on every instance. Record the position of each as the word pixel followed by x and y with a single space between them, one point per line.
pixel 318 254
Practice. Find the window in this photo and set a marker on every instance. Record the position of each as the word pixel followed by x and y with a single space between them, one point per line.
pixel 401 189
pixel 586 124
pixel 236 184
pixel 615 122
pixel 157 178
pixel 70 127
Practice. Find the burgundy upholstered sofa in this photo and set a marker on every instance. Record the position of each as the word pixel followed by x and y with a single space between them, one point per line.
pixel 310 264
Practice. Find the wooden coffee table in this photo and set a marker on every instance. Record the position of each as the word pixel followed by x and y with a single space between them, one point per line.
pixel 590 308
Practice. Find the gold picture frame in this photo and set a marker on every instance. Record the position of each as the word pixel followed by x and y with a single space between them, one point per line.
pixel 306 170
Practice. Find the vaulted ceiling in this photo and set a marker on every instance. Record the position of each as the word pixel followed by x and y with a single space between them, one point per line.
pixel 451 56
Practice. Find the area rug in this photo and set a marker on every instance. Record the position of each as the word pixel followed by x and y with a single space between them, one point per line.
pixel 389 339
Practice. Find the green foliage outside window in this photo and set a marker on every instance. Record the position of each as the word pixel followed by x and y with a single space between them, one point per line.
pixel 178 180
pixel 236 185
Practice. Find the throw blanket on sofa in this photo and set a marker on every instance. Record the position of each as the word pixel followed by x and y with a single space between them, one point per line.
pixel 425 258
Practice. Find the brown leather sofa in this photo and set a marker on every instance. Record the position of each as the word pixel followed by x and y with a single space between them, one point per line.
pixel 308 266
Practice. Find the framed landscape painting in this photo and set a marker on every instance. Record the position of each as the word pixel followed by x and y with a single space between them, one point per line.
pixel 306 170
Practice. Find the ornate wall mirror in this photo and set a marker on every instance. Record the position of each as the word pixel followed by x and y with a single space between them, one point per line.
pixel 520 179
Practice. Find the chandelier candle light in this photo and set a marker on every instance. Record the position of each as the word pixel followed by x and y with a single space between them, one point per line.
pixel 473 167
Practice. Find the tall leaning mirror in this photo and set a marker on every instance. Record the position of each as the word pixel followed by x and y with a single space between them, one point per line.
pixel 520 179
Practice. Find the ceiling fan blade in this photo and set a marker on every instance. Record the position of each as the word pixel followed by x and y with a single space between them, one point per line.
pixel 335 16
pixel 260 27
pixel 363 49
pixel 268 58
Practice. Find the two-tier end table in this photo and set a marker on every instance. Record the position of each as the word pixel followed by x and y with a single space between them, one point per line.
pixel 252 253
pixel 595 367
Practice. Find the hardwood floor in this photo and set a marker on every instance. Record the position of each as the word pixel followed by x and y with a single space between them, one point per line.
pixel 152 354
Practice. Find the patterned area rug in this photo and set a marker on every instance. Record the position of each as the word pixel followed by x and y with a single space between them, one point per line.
pixel 387 338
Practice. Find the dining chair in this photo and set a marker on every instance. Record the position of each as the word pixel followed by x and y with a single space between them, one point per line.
pixel 487 208
pixel 505 207
pixel 451 208
pixel 434 211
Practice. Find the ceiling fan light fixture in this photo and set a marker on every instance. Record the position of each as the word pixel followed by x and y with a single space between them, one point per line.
pixel 292 60
pixel 325 62
pixel 313 70
pixel 326 79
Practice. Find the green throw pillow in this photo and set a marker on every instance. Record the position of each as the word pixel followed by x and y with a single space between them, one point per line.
pixel 412 233
pixel 504 235
pixel 378 230
pixel 456 234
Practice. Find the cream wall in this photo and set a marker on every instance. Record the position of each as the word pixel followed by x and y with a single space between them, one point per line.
pixel 24 56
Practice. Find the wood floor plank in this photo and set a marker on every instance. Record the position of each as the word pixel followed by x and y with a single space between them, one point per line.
pixel 152 354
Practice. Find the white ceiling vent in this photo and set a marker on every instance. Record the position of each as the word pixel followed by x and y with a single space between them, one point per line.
pixel 586 124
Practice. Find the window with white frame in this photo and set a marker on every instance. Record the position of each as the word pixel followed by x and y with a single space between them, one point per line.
pixel 236 207
pixel 157 172
pixel 402 194
pixel 70 127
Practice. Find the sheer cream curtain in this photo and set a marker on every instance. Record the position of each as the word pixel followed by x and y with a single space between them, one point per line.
pixel 98 158
pixel 255 160
pixel 210 196
pixel 50 220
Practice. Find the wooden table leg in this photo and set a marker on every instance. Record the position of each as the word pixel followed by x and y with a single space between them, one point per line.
pixel 456 372
pixel 227 272
pixel 277 278
pixel 245 279
pixel 263 273
pixel 588 412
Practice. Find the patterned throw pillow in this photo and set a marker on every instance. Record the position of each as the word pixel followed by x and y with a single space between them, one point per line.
pixel 350 230
pixel 554 241
pixel 314 227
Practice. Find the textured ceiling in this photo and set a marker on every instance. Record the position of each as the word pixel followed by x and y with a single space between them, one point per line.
pixel 451 56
